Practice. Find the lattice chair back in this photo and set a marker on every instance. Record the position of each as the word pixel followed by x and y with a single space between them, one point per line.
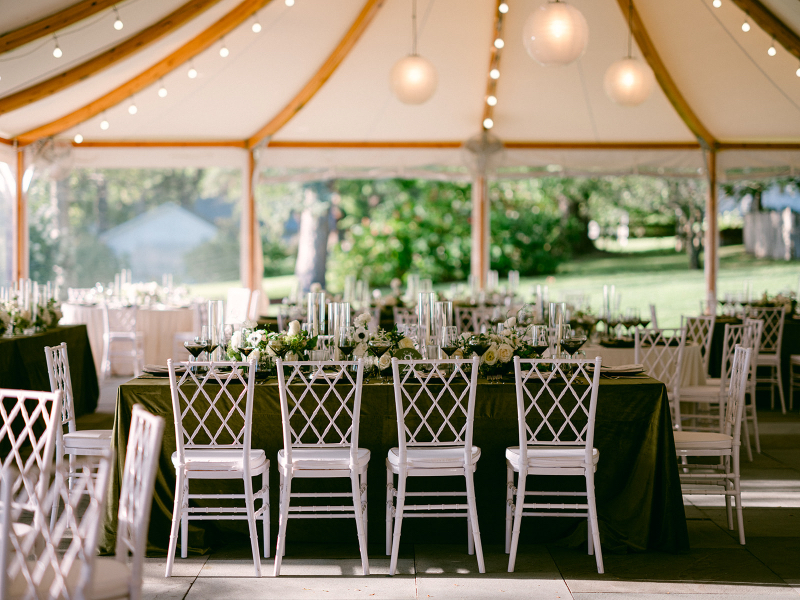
pixel 79 295
pixel 58 572
pixel 700 330
pixel 753 341
pixel 320 404
pixel 772 331
pixel 61 381
pixel 735 335
pixel 120 320
pixel 404 316
pixel 28 434
pixel 736 390
pixel 136 492
pixel 213 409
pixel 435 402
pixel 660 351
pixel 556 403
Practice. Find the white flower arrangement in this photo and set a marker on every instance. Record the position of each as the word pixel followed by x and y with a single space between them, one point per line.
pixel 490 357
pixel 406 343
pixel 505 353
pixel 361 335
pixel 236 340
pixel 510 323
pixel 363 320
pixel 385 361
pixel 294 328
pixel 255 338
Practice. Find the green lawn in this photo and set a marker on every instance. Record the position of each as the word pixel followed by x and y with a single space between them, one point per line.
pixel 647 273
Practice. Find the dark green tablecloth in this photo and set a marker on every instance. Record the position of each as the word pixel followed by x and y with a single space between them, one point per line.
pixel 639 501
pixel 790 345
pixel 23 365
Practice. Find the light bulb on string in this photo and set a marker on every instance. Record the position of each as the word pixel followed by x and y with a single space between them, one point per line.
pixel 132 110
pixel 503 8
pixel 57 50
pixel 162 91
pixel 797 72
pixel 499 43
pixel 256 26
pixel 772 51
pixel 289 2
pixel 488 123
pixel 413 79
pixel 716 3
pixel 118 25
pixel 494 74
pixel 104 124
pixel 746 25
pixel 491 100
pixel 192 72
pixel 78 138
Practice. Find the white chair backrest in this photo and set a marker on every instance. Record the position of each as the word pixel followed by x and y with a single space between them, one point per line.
pixel 119 320
pixel 736 391
pixel 211 410
pixel 653 317
pixel 735 335
pixel 556 406
pixel 254 310
pixel 49 573
pixel 237 306
pixel 404 316
pixel 473 319
pixel 320 408
pixel 772 331
pixel 660 351
pixel 136 492
pixel 435 405
pixel 754 329
pixel 61 381
pixel 700 330
pixel 28 433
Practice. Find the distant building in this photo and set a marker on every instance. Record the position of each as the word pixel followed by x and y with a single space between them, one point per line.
pixel 158 241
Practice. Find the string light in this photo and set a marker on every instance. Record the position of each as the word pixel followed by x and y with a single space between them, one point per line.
pixel 499 43
pixel 746 25
pixel 118 25
pixel 797 72
pixel 132 110
pixel 503 8
pixel 716 3
pixel 57 51
pixel 256 25
pixel 488 123
pixel 104 124
pixel 223 51
pixel 491 100
pixel 772 51
pixel 78 138
pixel 289 2
pixel 494 74
pixel 162 91
pixel 192 72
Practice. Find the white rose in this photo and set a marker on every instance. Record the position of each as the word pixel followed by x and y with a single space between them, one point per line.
pixel 504 353
pixel 294 328
pixel 406 343
pixel 291 356
pixel 490 357
pixel 45 318
pixel 236 340
pixel 495 338
pixel 363 320
pixel 255 338
pixel 385 361
pixel 316 287
pixel 510 323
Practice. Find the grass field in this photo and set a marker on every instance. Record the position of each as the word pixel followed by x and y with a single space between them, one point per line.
pixel 644 272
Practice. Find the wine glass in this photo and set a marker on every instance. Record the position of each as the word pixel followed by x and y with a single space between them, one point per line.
pixel 572 342
pixel 204 337
pixel 539 340
pixel 450 340
pixel 479 345
pixel 195 348
pixel 347 341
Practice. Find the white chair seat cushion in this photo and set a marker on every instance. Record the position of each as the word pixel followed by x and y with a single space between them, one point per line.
pixel 552 456
pixel 88 438
pixel 701 440
pixel 323 458
pixel 222 459
pixel 706 392
pixel 110 579
pixel 768 359
pixel 433 457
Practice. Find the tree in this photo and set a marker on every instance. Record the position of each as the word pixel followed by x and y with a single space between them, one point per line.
pixel 312 244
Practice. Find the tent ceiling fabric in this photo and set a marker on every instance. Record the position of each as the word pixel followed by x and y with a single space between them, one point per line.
pixel 738 92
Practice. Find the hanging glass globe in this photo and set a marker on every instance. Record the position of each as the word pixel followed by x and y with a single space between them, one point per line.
pixel 628 82
pixel 413 79
pixel 555 34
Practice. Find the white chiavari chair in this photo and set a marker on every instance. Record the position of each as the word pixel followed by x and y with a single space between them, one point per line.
pixel 58 561
pixel 473 319
pixel 404 316
pixel 660 351
pixel 769 354
pixel 750 414
pixel 556 409
pixel 320 410
pixel 119 329
pixel 700 331
pixel 213 422
pixel 722 479
pixel 653 317
pixel 435 402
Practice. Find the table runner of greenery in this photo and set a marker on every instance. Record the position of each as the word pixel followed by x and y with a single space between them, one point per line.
pixel 638 492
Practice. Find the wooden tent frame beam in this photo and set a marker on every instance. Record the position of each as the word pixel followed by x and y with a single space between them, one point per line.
pixel 26 34
pixel 328 68
pixel 189 50
pixel 771 25
pixel 109 58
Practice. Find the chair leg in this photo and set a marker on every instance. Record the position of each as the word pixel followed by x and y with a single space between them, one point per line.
pixel 359 516
pixel 398 519
pixel 746 432
pixel 286 490
pixel 470 537
pixel 728 487
pixel 389 507
pixel 265 507
pixel 185 519
pixel 364 503
pixel 509 503
pixel 594 529
pixel 755 421
pixel 512 553
pixel 771 391
pixel 780 388
pixel 176 519
pixel 251 523
pixel 473 518
pixel 738 491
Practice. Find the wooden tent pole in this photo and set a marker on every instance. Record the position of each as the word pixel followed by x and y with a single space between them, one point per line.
pixel 250 198
pixel 479 264
pixel 712 234
pixel 19 268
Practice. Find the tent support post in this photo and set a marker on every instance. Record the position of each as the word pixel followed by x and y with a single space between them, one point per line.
pixel 250 198
pixel 480 230
pixel 19 268
pixel 711 260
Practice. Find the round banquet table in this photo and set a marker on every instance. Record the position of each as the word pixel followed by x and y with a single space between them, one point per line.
pixel 159 326
pixel 693 373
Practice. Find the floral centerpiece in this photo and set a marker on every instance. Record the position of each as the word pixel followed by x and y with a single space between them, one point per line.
pixel 766 301
pixel 293 344
pixel 380 345
pixel 498 359
pixel 48 316
pixel 15 318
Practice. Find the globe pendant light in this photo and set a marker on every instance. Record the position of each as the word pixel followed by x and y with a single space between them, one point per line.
pixel 628 82
pixel 555 34
pixel 413 79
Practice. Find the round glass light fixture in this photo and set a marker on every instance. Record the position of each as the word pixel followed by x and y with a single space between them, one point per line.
pixel 118 25
pixel 256 27
pixel 488 123
pixel 132 110
pixel 503 8
pixel 57 51
pixel 192 73
pixel 628 82
pixel 413 79
pixel 746 26
pixel 491 100
pixel 499 43
pixel 494 74
pixel 716 3
pixel 797 72
pixel 162 92
pixel 289 2
pixel 104 124
pixel 555 34
pixel 78 138
pixel 224 52
pixel 772 51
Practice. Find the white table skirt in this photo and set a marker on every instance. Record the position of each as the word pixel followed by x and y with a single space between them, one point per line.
pixel 692 368
pixel 159 327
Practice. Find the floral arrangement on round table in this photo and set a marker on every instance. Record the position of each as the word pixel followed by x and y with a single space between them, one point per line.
pixel 498 359
pixel 766 301
pixel 293 344
pixel 15 320
pixel 379 347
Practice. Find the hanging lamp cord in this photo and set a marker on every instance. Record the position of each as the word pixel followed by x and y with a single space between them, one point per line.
pixel 630 26
pixel 413 27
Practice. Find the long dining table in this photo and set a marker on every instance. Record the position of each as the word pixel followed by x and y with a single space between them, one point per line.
pixel 639 500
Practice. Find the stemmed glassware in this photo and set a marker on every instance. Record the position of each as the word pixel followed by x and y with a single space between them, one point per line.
pixel 571 343
pixel 347 341
pixel 450 340
pixel 539 340
pixel 479 345
pixel 379 346
pixel 631 319
pixel 195 347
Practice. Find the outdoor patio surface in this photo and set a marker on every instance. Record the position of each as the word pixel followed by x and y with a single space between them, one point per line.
pixel 769 565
